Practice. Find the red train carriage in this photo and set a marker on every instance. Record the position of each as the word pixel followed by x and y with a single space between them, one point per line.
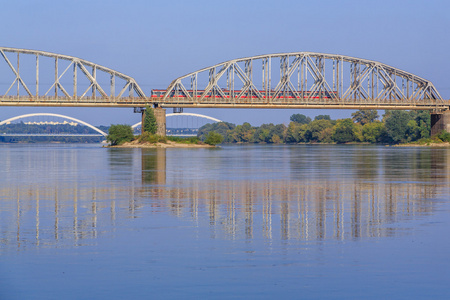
pixel 247 94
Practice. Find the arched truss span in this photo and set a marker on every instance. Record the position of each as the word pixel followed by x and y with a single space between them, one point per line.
pixel 184 114
pixel 302 79
pixel 85 83
pixel 53 115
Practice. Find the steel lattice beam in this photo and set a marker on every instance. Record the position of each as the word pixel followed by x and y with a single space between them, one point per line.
pixel 305 79
pixel 90 95
pixel 287 80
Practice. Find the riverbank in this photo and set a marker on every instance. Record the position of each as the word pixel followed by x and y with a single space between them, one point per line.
pixel 168 144
pixel 434 145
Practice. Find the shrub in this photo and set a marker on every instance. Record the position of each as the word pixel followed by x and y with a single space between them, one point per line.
pixel 213 138
pixel 444 136
pixel 119 134
pixel 147 137
pixel 188 140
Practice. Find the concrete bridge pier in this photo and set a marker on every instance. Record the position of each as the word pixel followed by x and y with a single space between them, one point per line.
pixel 440 121
pixel 160 115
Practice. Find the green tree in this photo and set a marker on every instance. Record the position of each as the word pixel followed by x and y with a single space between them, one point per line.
pixel 220 127
pixel 343 132
pixel 396 122
pixel 323 117
pixel 295 133
pixel 269 133
pixel 214 138
pixel 374 132
pixel 277 133
pixel 241 134
pixel 444 136
pixel 364 116
pixel 262 133
pixel 292 133
pixel 423 121
pixel 412 131
pixel 149 121
pixel 119 134
pixel 300 119
pixel 325 136
pixel 314 129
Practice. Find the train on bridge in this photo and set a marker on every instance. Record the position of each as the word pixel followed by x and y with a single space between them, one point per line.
pixel 246 94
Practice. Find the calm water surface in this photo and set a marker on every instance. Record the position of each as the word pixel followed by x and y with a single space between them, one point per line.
pixel 291 222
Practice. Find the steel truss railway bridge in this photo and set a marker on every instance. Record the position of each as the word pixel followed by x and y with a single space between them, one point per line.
pixel 286 80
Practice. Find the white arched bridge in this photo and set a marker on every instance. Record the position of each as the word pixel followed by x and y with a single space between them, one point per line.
pixel 287 80
pixel 184 127
pixel 182 115
pixel 34 115
pixel 7 121
pixel 183 124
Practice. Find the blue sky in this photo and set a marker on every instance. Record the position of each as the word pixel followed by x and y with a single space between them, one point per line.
pixel 158 41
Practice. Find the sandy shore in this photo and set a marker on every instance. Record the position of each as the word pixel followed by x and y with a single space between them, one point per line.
pixel 169 144
pixel 438 145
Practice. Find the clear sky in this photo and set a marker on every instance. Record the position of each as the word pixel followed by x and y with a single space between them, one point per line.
pixel 158 41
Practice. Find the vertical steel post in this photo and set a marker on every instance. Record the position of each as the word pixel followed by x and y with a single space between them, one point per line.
pixel 377 76
pixel 75 67
pixel 334 75
pixel 37 75
pixel 264 78
pixel 269 74
pixel 298 77
pixel 56 77
pixel 306 77
pixel 195 86
pixel 407 88
pixel 368 87
pixel 232 95
pixel 18 75
pixel 403 85
pixel 371 90
pixel 338 83
pixel 302 75
pixel 94 84
pixel 113 85
pixel 342 77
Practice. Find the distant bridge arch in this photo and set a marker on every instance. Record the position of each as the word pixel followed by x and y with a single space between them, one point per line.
pixel 53 115
pixel 184 114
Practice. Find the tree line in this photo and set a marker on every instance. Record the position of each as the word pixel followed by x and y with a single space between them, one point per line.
pixel 22 128
pixel 121 133
pixel 395 126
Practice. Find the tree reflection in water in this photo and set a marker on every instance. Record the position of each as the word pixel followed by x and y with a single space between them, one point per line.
pixel 320 196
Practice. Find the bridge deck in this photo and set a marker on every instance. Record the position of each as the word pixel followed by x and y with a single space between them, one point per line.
pixel 407 104
pixel 49 134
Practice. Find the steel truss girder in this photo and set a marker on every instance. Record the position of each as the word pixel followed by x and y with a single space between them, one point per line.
pixel 371 82
pixel 97 90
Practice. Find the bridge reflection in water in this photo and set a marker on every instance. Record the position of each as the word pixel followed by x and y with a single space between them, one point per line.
pixel 305 205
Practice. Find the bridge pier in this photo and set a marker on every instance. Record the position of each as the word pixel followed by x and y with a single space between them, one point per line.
pixel 440 121
pixel 160 115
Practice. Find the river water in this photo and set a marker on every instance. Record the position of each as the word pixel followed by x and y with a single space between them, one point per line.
pixel 287 222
